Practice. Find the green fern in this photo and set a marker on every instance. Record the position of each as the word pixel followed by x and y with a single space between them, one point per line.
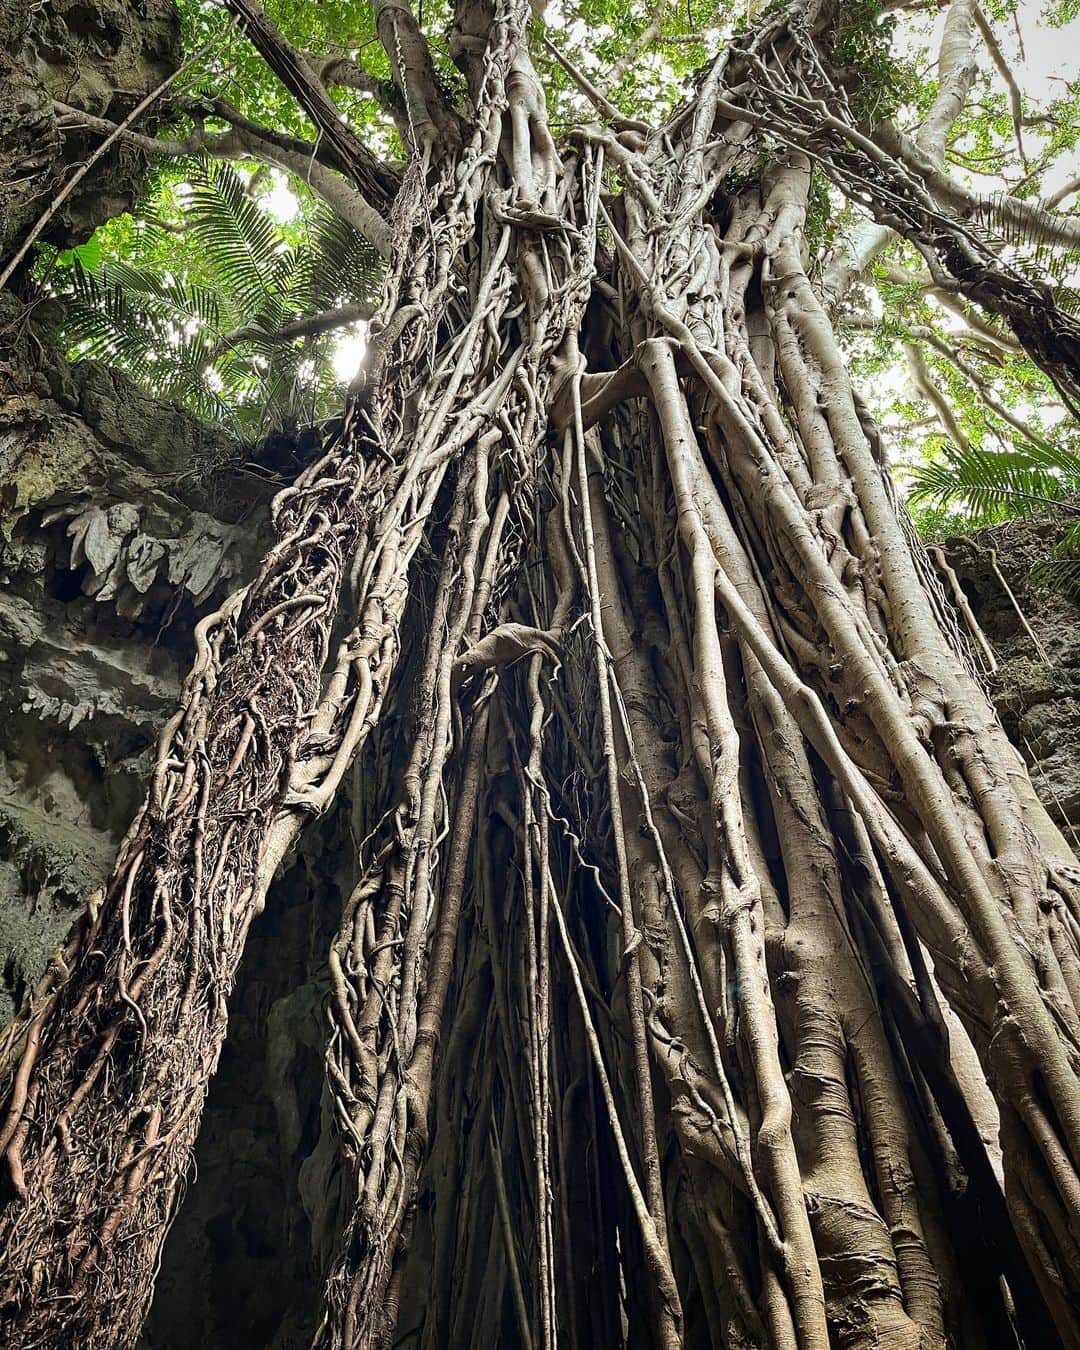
pixel 240 241
pixel 339 265
pixel 154 330
pixel 1060 572
pixel 989 485
pixel 200 328
pixel 973 487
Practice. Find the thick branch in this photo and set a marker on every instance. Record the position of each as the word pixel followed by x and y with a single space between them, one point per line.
pixel 1033 219
pixel 352 157
pixel 247 141
pixel 431 121
pixel 956 74
pixel 925 153
pixel 338 70
pixel 1066 190
pixel 309 326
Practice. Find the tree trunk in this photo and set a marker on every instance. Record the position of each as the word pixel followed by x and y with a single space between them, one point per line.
pixel 706 894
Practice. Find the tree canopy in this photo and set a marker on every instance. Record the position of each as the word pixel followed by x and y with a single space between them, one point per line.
pixel 185 298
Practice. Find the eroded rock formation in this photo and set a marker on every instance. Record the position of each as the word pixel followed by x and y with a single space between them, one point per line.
pixel 119 522
pixel 1036 688
pixel 100 57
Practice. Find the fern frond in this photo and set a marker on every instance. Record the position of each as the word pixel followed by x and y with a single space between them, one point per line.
pixel 164 323
pixel 240 242
pixel 168 296
pixel 1061 571
pixel 337 266
pixel 1031 236
pixel 989 483
pixel 142 330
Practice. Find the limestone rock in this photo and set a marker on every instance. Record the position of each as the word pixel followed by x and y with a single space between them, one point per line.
pixel 1037 688
pixel 108 555
pixel 99 56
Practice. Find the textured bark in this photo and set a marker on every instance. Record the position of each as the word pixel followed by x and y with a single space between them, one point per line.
pixel 702 895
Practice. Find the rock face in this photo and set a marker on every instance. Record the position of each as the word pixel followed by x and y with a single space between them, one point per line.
pixel 107 553
pixel 1036 688
pixel 98 56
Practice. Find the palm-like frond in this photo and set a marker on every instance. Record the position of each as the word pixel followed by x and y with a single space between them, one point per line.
pixel 171 297
pixel 154 331
pixel 1061 570
pixel 1030 238
pixel 205 329
pixel 337 265
pixel 240 241
pixel 992 483
pixel 988 486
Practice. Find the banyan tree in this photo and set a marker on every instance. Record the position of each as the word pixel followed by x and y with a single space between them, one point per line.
pixel 711 972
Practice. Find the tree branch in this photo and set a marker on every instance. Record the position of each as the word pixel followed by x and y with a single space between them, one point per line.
pixel 309 326
pixel 979 329
pixel 338 70
pixel 1016 102
pixel 981 386
pixel 377 183
pixel 927 389
pixel 600 101
pixel 641 43
pixel 1066 190
pixel 247 141
pixel 1034 219
pixel 431 121
pixel 956 75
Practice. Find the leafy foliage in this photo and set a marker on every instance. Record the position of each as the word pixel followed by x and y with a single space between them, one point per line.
pixel 199 230
pixel 965 488
pixel 863 43
pixel 157 329
pixel 996 483
pixel 194 316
